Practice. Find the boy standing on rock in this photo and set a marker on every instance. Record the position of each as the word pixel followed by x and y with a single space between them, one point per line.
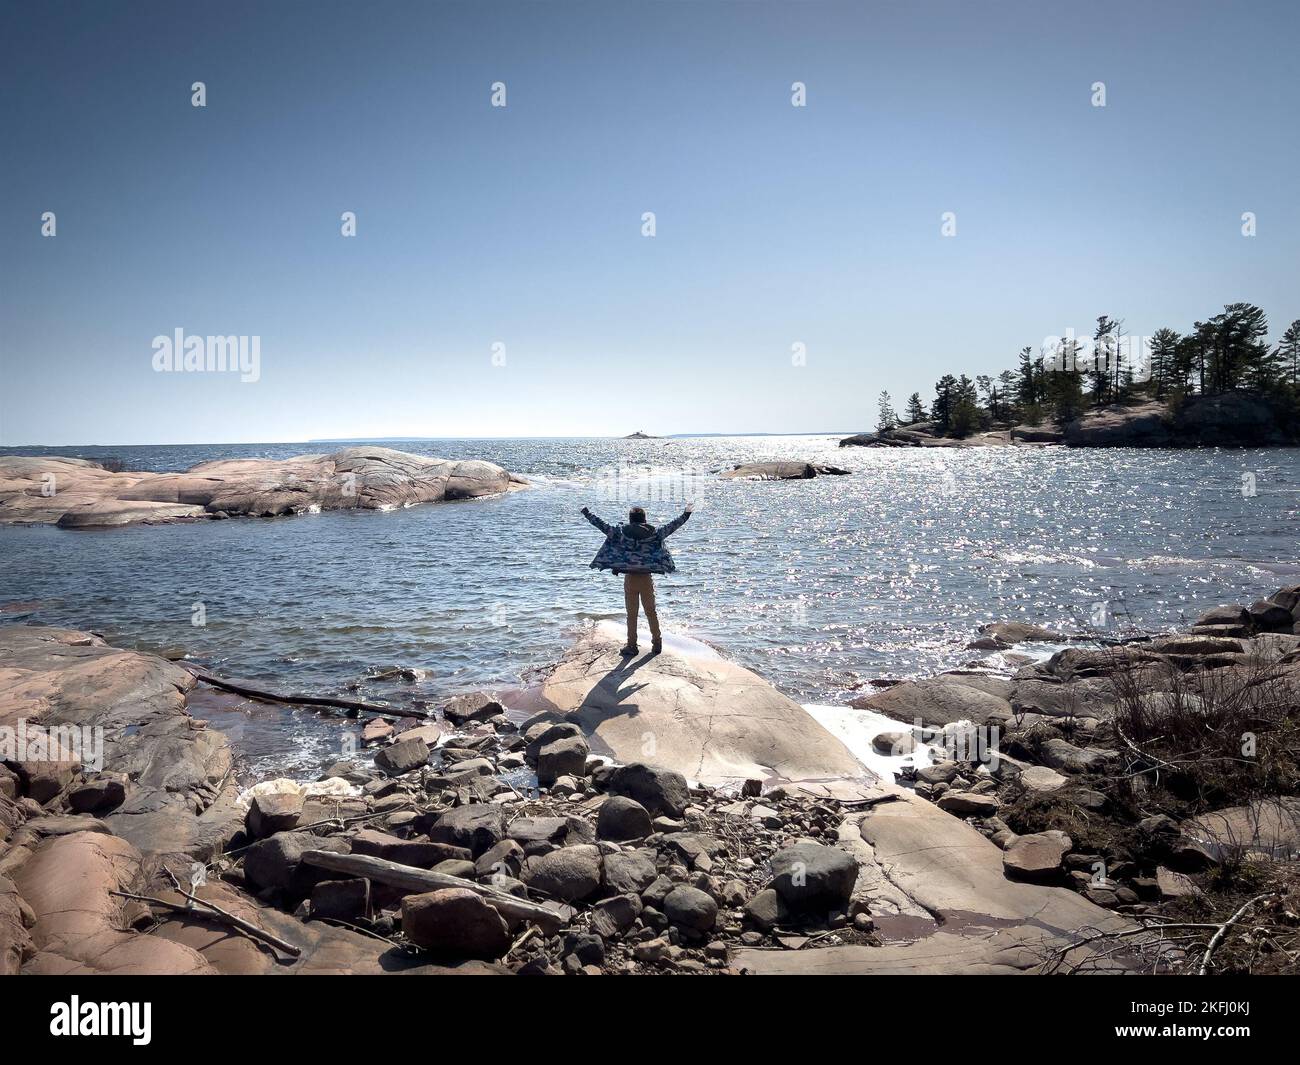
pixel 637 551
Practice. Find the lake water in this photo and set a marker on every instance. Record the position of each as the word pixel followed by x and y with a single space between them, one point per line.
pixel 818 585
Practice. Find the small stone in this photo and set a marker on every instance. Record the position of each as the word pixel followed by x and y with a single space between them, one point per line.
pixel 610 917
pixel 968 804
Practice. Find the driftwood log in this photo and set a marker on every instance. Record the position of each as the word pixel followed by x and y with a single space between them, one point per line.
pixel 354 705
pixel 409 878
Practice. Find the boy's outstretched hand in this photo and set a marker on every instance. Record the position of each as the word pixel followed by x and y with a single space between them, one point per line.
pixel 690 507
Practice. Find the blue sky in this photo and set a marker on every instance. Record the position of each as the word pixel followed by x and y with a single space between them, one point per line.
pixel 521 225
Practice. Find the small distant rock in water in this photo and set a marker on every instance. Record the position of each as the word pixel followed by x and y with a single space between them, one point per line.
pixel 784 471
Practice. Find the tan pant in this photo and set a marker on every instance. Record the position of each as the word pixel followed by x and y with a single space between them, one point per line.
pixel 640 587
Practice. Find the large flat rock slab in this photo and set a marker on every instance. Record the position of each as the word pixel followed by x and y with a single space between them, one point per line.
pixel 78 928
pixel 78 493
pixel 915 859
pixel 174 765
pixel 690 710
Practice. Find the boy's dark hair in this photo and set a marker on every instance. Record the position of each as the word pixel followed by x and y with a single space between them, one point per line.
pixel 636 516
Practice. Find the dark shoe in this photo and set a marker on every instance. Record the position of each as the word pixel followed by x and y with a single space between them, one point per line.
pixel 657 647
pixel 628 651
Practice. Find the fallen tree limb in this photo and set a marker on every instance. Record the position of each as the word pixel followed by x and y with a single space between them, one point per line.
pixel 1222 933
pixel 409 878
pixel 355 705
pixel 217 914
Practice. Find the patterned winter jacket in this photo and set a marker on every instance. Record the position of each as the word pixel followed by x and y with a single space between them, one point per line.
pixel 635 548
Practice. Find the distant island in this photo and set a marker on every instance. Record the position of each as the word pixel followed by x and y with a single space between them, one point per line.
pixel 1222 384
pixel 638 435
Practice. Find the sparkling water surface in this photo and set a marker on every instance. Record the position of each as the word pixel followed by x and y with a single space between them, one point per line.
pixel 819 585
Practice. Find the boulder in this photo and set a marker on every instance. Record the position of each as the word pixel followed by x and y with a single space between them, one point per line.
pixel 629 872
pixel 455 921
pixel 1224 615
pixel 273 812
pixel 766 909
pixel 276 862
pixel 1041 778
pixel 611 917
pixel 421 853
pixel 658 790
pixel 1269 826
pixel 1020 632
pixel 561 757
pixel 812 878
pixel 403 757
pixel 341 900
pixel 935 702
pixel 621 819
pixel 542 733
pixel 504 859
pixel 893 743
pixel 1065 756
pixel 1172 885
pixel 568 874
pixel 690 908
pixel 712 720
pixel 1268 616
pixel 1037 856
pixel 476 827
pixel 476 706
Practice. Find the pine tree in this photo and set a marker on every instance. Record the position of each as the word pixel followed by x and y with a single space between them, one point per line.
pixel 887 419
pixel 1026 381
pixel 1288 351
pixel 1065 385
pixel 1099 375
pixel 1239 353
pixel 945 398
pixel 964 416
pixel 1164 360
pixel 915 408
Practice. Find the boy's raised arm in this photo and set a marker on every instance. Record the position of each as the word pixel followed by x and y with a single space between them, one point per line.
pixel 601 525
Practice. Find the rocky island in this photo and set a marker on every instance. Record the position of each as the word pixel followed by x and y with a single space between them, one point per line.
pixel 78 493
pixel 1233 420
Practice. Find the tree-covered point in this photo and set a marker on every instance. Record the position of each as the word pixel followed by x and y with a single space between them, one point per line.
pixel 1063 379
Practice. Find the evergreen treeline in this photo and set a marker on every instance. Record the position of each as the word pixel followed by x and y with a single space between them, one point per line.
pixel 1227 353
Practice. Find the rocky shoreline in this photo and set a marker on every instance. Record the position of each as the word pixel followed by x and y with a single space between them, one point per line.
pixel 1229 420
pixel 81 494
pixel 671 813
